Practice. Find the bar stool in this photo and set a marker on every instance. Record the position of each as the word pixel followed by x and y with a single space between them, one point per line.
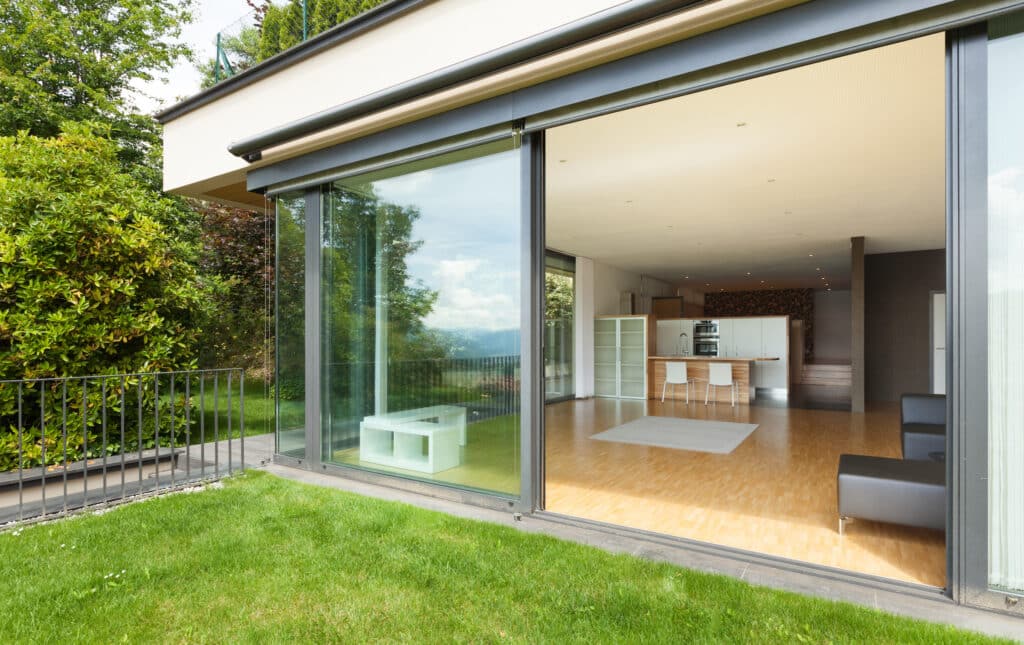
pixel 720 374
pixel 675 374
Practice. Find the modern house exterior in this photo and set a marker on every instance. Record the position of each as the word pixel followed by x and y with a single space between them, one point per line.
pixel 430 164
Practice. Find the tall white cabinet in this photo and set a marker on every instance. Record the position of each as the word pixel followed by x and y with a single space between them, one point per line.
pixel 620 357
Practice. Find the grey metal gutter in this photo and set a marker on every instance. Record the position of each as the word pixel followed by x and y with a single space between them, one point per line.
pixel 599 24
pixel 347 30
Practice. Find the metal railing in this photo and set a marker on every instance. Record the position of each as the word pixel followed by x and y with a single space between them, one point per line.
pixel 75 442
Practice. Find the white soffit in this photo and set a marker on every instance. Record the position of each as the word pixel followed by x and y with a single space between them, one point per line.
pixel 759 175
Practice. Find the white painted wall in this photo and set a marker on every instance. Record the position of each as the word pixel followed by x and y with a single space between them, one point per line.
pixel 610 282
pixel 584 328
pixel 430 38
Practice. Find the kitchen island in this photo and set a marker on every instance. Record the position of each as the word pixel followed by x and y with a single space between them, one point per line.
pixel 697 368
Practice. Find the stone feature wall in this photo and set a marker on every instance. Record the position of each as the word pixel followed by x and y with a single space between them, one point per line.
pixel 798 304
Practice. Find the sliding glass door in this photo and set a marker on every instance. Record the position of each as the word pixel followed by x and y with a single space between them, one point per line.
pixel 420 320
pixel 559 321
pixel 1006 304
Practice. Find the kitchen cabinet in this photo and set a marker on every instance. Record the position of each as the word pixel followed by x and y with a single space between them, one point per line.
pixel 748 337
pixel 674 337
pixel 620 357
pixel 775 342
pixel 726 338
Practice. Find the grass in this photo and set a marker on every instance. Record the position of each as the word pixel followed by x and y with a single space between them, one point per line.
pixel 268 560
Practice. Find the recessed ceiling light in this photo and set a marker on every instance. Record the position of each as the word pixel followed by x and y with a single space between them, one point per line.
pixel 762 281
pixel 748 272
pixel 828 290
pixel 707 284
pixel 721 289
pixel 818 269
pixel 810 255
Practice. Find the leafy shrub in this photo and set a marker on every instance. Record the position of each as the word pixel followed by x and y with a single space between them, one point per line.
pixel 90 280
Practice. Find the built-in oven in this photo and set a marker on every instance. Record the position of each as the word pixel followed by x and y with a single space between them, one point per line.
pixel 705 329
pixel 705 347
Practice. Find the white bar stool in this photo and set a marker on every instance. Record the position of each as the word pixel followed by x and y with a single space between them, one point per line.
pixel 720 374
pixel 675 374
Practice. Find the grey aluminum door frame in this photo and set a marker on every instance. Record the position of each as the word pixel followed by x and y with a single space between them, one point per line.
pixel 531 150
pixel 967 334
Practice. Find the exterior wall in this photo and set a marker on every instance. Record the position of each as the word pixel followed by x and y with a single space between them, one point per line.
pixel 195 148
pixel 896 319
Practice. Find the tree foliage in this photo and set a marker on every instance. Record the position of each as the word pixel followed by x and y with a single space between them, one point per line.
pixel 77 60
pixel 234 251
pixel 90 282
pixel 560 298
pixel 277 27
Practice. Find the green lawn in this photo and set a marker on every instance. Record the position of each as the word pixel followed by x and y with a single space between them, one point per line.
pixel 259 411
pixel 272 561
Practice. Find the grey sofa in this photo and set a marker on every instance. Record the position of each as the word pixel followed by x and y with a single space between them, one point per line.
pixel 898 491
pixel 923 426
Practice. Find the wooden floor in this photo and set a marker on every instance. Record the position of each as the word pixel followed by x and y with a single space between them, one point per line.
pixel 774 494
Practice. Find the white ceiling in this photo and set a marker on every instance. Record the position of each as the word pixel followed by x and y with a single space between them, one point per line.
pixel 848 147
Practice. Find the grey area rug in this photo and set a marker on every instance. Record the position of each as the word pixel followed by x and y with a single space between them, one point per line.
pixel 682 434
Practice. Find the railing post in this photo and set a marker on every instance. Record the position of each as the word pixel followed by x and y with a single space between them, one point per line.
pixel 241 413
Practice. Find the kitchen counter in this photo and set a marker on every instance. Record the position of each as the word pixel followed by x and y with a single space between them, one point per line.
pixel 697 369
pixel 714 359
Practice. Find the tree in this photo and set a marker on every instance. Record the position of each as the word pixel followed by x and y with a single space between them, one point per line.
pixel 559 296
pixel 76 60
pixel 234 251
pixel 90 281
pixel 241 49
pixel 277 27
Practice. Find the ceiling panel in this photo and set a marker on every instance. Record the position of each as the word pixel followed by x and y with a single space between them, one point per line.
pixel 770 177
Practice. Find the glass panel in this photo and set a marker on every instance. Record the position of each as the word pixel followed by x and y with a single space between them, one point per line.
pixel 560 301
pixel 1006 303
pixel 421 319
pixel 289 320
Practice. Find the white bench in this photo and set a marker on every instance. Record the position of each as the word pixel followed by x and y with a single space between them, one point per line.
pixel 397 438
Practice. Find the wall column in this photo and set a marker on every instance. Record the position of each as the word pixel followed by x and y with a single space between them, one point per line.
pixel 583 334
pixel 857 324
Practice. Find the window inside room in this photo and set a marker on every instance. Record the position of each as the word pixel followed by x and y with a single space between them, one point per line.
pixel 559 319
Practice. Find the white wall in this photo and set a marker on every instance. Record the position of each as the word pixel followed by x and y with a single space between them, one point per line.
pixel 195 144
pixel 610 282
pixel 831 325
pixel 584 328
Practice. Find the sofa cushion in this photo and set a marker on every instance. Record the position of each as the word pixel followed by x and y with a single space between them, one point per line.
pixel 923 440
pixel 923 408
pixel 897 491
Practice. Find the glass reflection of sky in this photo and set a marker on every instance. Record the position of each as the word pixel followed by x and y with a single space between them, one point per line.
pixel 470 228
pixel 1006 161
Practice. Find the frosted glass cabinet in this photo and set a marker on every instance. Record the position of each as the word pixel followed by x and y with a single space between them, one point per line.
pixel 620 357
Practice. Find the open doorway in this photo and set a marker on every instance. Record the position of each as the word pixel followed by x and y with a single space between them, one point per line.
pixel 763 259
